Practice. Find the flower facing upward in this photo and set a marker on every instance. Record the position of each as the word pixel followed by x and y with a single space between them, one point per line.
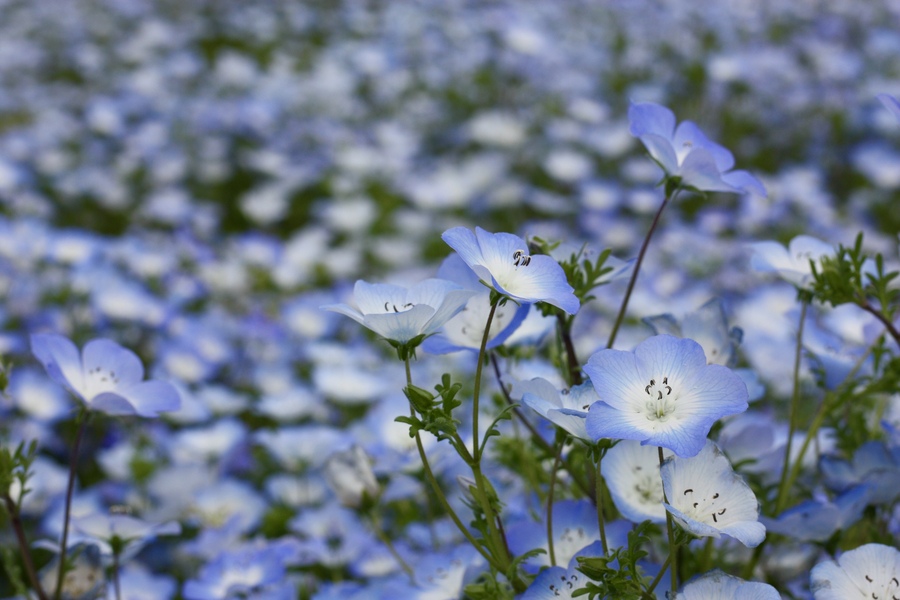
pixel 402 314
pixel 664 393
pixel 501 260
pixel 686 153
pixel 870 571
pixel 708 498
pixel 106 376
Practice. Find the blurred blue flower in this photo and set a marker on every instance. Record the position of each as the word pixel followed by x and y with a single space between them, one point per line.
pixel 501 261
pixel 890 103
pixel 663 393
pixel 247 572
pixel 106 376
pixel 686 153
pixel 404 314
pixel 818 520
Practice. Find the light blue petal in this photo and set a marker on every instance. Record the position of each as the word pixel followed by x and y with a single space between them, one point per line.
pixel 699 171
pixel 649 118
pixel 60 358
pixel 466 245
pixel 689 135
pixel 109 357
pixel 149 398
pixel 744 181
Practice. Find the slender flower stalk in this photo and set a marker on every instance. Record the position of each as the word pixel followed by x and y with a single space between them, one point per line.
pixel 598 492
pixel 16 521
pixel 82 420
pixel 637 268
pixel 550 497
pixel 781 498
pixel 670 531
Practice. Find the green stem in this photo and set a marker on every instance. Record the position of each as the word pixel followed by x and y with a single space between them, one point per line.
pixel 598 491
pixel 565 332
pixel 439 493
pixel 82 420
pixel 781 498
pixel 386 540
pixel 637 268
pixel 476 394
pixel 670 531
pixel 556 461
pixel 19 529
pixel 658 578
pixel 535 436
pixel 115 574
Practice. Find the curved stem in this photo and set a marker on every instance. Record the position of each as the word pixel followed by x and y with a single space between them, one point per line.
pixel 884 320
pixel 565 332
pixel 83 417
pixel 658 578
pixel 476 394
pixel 637 267
pixel 670 530
pixel 535 436
pixel 16 521
pixel 386 540
pixel 439 493
pixel 781 498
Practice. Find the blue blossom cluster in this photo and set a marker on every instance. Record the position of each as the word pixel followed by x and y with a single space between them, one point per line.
pixel 590 351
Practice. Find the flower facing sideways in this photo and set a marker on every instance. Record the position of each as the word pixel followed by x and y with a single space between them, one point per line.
pixel 106 376
pixel 717 585
pixel 404 315
pixel 708 498
pixel 663 393
pixel 686 153
pixel 501 260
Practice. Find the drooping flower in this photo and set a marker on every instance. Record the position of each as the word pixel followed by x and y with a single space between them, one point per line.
pixel 501 260
pixel 708 498
pixel 870 571
pixel 106 376
pixel 686 153
pixel 404 315
pixel 718 585
pixel 349 473
pixel 663 393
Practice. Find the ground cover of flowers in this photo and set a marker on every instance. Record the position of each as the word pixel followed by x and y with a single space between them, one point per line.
pixel 447 299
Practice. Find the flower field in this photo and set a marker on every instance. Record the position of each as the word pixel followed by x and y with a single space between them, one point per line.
pixel 449 300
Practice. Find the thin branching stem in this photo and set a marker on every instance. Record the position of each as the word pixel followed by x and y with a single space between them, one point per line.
pixel 82 420
pixel 19 529
pixel 781 498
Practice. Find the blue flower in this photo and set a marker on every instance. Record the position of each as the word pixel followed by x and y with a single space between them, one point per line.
pixel 664 393
pixel 502 262
pixel 718 584
pixel 106 376
pixel 686 153
pixel 557 583
pixel 404 314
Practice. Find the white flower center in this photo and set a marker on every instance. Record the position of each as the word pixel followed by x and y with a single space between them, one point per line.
pixel 888 594
pixel 660 401
pixel 704 507
pixel 99 380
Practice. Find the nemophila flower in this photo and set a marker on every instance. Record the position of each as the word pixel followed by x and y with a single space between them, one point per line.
pixel 631 472
pixel 870 571
pixel 793 263
pixel 686 153
pixel 663 393
pixel 718 585
pixel 246 572
pixel 818 520
pixel 558 583
pixel 874 463
pixel 566 408
pixel 465 329
pixel 708 498
pixel 120 534
pixel 404 315
pixel 501 260
pixel 890 103
pixel 708 326
pixel 106 376
pixel 349 473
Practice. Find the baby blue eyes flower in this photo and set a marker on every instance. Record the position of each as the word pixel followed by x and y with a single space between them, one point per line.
pixel 106 376
pixel 663 393
pixel 717 584
pixel 686 153
pixel 501 260
pixel 404 314
pixel 870 571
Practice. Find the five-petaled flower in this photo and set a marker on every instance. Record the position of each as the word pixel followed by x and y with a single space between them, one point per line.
pixel 501 261
pixel 708 498
pixel 663 393
pixel 106 376
pixel 686 153
pixel 404 315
